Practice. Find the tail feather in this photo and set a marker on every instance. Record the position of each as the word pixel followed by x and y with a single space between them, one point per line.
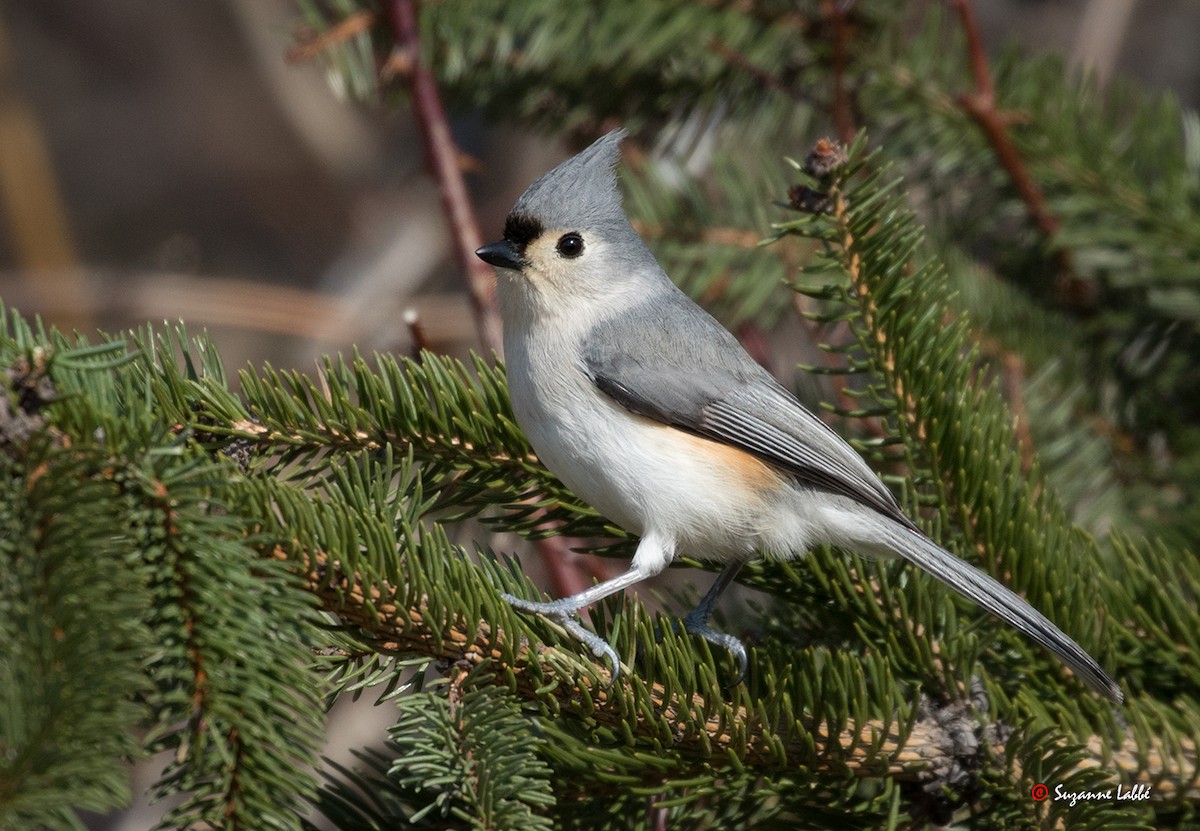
pixel 1006 605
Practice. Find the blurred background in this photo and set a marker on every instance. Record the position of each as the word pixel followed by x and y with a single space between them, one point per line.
pixel 168 161
pixel 165 161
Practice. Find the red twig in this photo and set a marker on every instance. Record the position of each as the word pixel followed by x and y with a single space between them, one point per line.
pixel 980 72
pixel 416 333
pixel 443 160
pixel 980 105
pixel 842 112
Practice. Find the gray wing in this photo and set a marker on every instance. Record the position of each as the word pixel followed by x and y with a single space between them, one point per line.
pixel 670 361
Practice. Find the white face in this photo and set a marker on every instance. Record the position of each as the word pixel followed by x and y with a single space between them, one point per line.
pixel 558 258
pixel 572 276
pixel 565 272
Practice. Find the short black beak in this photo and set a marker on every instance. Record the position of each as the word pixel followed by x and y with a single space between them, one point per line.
pixel 502 254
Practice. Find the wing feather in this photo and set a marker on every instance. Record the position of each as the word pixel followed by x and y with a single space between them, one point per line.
pixel 718 392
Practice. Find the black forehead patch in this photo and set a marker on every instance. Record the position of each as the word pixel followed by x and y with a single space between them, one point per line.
pixel 522 229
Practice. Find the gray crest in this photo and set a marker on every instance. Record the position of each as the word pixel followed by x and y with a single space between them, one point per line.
pixel 579 193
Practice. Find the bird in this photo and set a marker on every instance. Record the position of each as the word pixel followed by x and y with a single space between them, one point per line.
pixel 648 409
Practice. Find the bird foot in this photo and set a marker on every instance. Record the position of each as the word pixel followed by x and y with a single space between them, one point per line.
pixel 563 612
pixel 696 623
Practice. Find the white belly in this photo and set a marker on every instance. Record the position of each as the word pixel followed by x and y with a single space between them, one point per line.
pixel 711 501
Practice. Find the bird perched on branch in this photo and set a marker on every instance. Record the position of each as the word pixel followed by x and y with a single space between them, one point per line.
pixel 652 412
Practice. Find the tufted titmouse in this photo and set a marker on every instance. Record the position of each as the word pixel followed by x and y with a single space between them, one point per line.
pixel 652 412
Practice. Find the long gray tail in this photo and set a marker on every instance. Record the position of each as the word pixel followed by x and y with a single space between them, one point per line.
pixel 1003 603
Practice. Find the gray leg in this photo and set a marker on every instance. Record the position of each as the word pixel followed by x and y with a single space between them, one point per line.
pixel 696 621
pixel 563 612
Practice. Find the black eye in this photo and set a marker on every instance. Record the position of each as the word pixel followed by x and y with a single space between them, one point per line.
pixel 570 245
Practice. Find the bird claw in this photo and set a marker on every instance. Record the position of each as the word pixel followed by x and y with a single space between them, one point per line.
pixel 552 608
pixel 599 647
pixel 563 613
pixel 697 624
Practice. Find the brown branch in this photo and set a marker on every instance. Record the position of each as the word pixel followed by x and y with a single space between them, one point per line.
pixel 980 106
pixel 842 112
pixel 980 72
pixel 419 342
pixel 870 749
pixel 309 44
pixel 211 301
pixel 565 567
pixel 443 156
pixel 445 160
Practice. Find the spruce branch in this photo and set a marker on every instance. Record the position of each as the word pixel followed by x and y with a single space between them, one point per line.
pixel 936 746
pixel 224 740
pixel 924 382
pixel 457 423
pixel 444 163
pixel 69 606
pixel 895 310
pixel 873 748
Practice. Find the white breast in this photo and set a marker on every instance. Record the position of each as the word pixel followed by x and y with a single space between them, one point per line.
pixel 712 501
